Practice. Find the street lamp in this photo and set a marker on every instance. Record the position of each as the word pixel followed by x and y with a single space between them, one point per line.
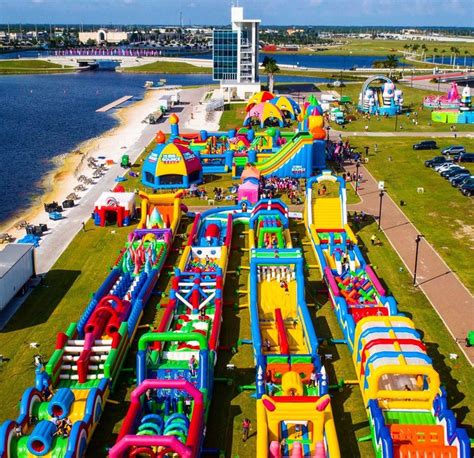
pixel 417 241
pixel 381 194
pixel 357 176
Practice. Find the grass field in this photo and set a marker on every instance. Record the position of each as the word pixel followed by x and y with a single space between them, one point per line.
pixel 364 47
pixel 441 213
pixel 167 67
pixel 12 67
pixel 413 99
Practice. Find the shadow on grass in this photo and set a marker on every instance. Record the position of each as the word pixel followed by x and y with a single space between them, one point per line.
pixel 43 301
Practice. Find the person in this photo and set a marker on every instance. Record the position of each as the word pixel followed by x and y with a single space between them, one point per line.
pixel 407 388
pixel 246 424
pixel 202 315
pixel 376 148
pixel 18 431
pixel 312 378
pixel 373 239
pixel 270 388
pixel 268 345
pixel 83 226
pixel 283 447
pixel 284 285
pixel 297 431
pixel 268 376
pixel 187 406
pixel 66 427
pixel 191 365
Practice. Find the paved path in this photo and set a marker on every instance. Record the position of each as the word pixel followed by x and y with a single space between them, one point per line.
pixel 449 297
pixel 53 244
pixel 335 134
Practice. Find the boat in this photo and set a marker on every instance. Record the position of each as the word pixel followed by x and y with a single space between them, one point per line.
pixel 154 84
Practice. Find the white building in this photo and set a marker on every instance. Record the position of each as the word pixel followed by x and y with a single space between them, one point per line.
pixel 104 36
pixel 235 56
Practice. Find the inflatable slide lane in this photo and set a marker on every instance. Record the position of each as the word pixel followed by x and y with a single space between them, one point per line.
pixel 401 390
pixel 291 384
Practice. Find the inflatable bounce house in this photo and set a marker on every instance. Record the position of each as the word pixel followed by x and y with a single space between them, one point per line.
pixel 384 101
pixel 449 101
pixel 114 208
pixel 171 165
pixel 452 108
pixel 250 187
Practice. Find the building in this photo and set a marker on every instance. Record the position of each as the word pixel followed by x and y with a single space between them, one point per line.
pixel 17 266
pixel 235 56
pixel 104 36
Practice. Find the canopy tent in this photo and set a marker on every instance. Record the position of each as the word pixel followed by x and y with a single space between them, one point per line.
pixel 259 97
pixel 248 191
pixel 286 105
pixel 265 112
pixel 171 165
pixel 250 172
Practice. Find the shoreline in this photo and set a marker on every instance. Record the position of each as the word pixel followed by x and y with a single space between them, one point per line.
pixel 67 167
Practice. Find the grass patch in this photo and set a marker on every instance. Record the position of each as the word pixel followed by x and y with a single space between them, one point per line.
pixel 413 99
pixel 32 66
pixel 167 67
pixel 441 213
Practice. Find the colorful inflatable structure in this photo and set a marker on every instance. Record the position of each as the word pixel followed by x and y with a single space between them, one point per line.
pixel 291 384
pixel 249 190
pixel 453 109
pixel 175 361
pixel 75 383
pixel 406 405
pixel 118 207
pixel 384 101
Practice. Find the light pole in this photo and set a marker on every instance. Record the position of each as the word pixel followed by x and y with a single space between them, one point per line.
pixel 357 176
pixel 417 241
pixel 381 194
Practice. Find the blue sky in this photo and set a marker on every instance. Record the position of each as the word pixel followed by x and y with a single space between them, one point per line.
pixel 310 12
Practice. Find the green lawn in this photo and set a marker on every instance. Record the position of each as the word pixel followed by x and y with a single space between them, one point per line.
pixel 62 298
pixel 32 66
pixel 413 99
pixel 441 213
pixel 167 67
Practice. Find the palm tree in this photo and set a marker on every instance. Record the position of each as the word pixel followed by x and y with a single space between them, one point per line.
pixel 435 50
pixel 455 54
pixel 406 46
pixel 271 67
pixel 442 56
pixel 423 51
pixel 466 52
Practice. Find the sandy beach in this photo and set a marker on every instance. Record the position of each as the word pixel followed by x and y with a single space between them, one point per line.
pixel 130 137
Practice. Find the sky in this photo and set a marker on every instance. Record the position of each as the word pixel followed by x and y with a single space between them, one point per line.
pixel 217 12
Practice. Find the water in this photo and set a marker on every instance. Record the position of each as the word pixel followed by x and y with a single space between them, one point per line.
pixel 301 60
pixel 44 116
pixel 461 61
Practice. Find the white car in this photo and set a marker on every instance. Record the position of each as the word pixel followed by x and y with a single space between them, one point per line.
pixel 443 167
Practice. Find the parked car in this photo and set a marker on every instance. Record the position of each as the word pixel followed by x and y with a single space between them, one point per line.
pixel 461 179
pixel 425 144
pixel 467 189
pixel 437 160
pixel 461 173
pixel 466 157
pixel 442 167
pixel 452 150
pixel 452 171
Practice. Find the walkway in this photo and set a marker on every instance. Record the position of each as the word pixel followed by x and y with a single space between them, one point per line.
pixel 335 134
pixel 449 297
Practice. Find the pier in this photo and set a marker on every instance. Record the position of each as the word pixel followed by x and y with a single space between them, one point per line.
pixel 114 104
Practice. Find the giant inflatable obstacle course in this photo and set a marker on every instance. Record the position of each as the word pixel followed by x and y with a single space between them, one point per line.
pixel 406 405
pixel 59 413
